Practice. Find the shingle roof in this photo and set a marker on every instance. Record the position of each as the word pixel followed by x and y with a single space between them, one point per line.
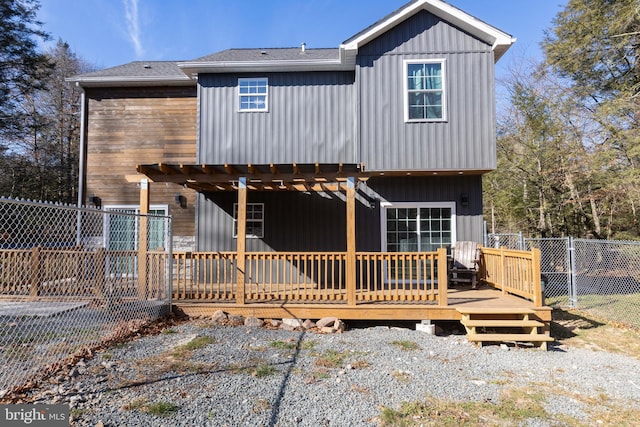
pixel 136 73
pixel 270 54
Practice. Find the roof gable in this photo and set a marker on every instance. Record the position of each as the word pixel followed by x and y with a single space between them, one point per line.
pixel 499 40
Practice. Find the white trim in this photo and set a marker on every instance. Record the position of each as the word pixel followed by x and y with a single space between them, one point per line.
pixel 499 40
pixel 383 217
pixel 405 88
pixel 259 80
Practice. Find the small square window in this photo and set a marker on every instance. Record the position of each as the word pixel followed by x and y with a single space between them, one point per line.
pixel 253 94
pixel 255 220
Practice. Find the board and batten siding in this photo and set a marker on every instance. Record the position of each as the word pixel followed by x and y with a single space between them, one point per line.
pixel 466 140
pixel 295 221
pixel 310 119
pixel 131 126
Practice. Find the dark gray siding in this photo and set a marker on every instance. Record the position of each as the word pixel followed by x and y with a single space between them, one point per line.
pixel 310 119
pixel 466 141
pixel 310 222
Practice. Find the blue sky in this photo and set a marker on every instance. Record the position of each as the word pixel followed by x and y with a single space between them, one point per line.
pixel 112 32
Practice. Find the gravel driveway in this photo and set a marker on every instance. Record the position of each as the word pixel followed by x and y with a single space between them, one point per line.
pixel 200 373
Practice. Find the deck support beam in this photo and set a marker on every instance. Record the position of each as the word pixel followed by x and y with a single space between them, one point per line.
pixel 351 242
pixel 241 246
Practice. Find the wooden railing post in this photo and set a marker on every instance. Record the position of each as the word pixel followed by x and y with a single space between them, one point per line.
pixel 143 239
pixel 241 240
pixel 351 242
pixel 503 267
pixel 99 271
pixel 443 297
pixel 36 272
pixel 537 283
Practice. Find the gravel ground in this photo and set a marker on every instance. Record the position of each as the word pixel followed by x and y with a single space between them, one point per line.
pixel 221 383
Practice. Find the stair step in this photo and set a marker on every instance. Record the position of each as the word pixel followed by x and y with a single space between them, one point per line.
pixel 493 323
pixel 509 337
pixel 494 310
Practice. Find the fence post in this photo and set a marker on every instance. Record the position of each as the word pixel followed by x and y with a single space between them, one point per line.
pixel 443 297
pixel 36 272
pixel 573 293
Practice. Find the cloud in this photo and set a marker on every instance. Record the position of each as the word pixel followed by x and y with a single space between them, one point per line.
pixel 133 25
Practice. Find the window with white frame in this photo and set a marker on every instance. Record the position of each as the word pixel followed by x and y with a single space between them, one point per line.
pixel 255 220
pixel 253 94
pixel 418 227
pixel 425 90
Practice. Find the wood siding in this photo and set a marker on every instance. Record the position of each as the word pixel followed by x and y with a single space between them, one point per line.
pixel 131 126
pixel 310 119
pixel 466 141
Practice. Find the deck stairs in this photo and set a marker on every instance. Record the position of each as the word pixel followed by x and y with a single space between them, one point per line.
pixel 504 325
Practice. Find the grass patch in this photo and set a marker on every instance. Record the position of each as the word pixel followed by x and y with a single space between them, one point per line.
pixel 184 351
pixel 517 406
pixel 331 358
pixel 576 329
pixel 169 331
pixel 406 345
pixel 161 409
pixel 402 376
pixel 283 345
pixel 263 370
pixel 512 409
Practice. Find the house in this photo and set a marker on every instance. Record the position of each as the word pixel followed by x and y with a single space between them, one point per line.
pixel 313 181
pixel 406 105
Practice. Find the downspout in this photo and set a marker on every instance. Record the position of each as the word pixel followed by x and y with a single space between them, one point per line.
pixel 81 166
pixel 81 154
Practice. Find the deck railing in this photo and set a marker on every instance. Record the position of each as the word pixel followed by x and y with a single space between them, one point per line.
pixel 311 276
pixel 513 271
pixel 43 272
pixel 396 277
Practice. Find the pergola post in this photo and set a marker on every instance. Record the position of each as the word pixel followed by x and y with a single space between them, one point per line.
pixel 241 239
pixel 143 239
pixel 350 268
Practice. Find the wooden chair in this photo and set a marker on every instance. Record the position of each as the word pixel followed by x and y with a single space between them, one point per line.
pixel 463 266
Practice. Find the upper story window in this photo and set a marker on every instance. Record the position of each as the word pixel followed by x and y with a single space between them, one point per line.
pixel 425 91
pixel 253 94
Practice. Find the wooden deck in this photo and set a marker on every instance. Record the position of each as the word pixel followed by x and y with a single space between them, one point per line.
pixel 462 297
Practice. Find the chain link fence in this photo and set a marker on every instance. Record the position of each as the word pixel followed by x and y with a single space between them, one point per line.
pixel 599 277
pixel 75 277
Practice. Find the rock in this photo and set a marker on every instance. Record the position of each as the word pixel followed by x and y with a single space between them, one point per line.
pixel 296 323
pixel 236 319
pixel 339 326
pixel 308 324
pixel 219 316
pixel 327 330
pixel 286 327
pixel 326 321
pixel 275 323
pixel 253 322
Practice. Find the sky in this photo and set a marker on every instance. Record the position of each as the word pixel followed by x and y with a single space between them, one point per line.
pixel 107 33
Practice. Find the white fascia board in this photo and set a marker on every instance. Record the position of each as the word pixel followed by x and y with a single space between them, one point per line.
pixel 192 68
pixel 130 81
pixel 499 40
